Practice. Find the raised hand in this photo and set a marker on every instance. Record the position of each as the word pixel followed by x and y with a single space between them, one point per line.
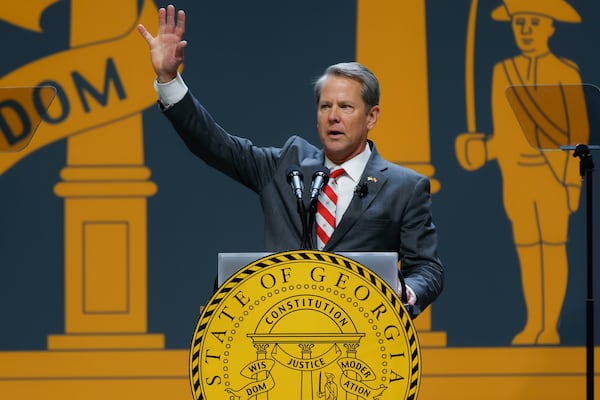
pixel 166 49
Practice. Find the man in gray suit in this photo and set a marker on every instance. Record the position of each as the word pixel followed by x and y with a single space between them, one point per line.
pixel 381 206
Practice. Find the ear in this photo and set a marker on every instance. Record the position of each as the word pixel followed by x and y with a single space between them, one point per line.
pixel 372 117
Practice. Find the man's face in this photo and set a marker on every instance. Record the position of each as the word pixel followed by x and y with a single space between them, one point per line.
pixel 532 32
pixel 342 119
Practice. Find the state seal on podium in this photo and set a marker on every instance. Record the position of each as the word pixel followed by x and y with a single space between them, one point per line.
pixel 305 325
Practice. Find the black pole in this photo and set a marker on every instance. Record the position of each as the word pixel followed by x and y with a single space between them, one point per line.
pixel 586 168
pixel 590 282
pixel 312 213
pixel 305 232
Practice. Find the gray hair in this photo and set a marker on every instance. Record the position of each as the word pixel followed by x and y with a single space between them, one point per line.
pixel 353 70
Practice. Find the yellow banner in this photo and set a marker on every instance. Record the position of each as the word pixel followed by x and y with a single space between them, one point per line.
pixel 306 364
pixel 95 85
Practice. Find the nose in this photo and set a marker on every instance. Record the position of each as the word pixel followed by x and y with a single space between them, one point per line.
pixel 526 28
pixel 334 114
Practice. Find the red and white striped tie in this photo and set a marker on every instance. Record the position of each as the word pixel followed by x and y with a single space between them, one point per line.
pixel 325 218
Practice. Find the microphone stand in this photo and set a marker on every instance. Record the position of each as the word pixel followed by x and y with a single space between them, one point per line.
pixel 305 230
pixel 294 178
pixel 312 212
pixel 319 180
pixel 586 167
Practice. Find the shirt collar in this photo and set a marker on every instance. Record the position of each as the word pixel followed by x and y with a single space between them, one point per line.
pixel 355 166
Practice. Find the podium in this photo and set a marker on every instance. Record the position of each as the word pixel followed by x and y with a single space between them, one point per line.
pixel 384 264
pixel 305 324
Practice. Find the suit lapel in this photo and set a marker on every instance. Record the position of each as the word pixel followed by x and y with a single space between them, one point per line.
pixel 373 178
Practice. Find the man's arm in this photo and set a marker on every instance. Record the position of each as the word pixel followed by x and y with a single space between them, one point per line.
pixel 422 269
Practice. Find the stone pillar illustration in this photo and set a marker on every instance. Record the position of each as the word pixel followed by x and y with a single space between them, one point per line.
pixel 105 186
pixel 391 41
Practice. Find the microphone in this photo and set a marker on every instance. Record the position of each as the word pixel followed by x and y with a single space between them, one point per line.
pixel 361 190
pixel 294 178
pixel 319 179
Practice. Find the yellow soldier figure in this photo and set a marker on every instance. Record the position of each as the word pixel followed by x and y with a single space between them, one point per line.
pixel 540 188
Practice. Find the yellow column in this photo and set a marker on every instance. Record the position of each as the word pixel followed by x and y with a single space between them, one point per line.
pixel 261 354
pixel 392 42
pixel 105 244
pixel 105 186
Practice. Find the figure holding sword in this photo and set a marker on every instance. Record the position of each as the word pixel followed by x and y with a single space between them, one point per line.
pixel 540 188
pixel 330 389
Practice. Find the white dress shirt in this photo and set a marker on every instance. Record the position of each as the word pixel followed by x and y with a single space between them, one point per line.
pixel 346 183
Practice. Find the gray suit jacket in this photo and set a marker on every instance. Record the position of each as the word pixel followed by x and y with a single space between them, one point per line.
pixel 393 213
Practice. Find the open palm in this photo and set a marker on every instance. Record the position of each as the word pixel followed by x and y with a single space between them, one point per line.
pixel 166 49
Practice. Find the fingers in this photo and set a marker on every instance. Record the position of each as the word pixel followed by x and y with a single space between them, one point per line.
pixel 179 49
pixel 170 17
pixel 167 26
pixel 162 12
pixel 180 27
pixel 411 296
pixel 145 34
pixel 167 23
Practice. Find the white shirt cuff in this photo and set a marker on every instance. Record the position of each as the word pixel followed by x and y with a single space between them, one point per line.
pixel 171 92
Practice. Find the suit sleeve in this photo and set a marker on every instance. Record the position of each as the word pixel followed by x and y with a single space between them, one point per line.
pixel 420 265
pixel 235 156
